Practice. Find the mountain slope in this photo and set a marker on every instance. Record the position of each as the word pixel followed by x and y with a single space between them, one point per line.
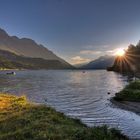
pixel 10 60
pixel 27 47
pixel 100 63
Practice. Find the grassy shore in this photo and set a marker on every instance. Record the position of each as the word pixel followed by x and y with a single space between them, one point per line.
pixel 129 98
pixel 130 93
pixel 21 120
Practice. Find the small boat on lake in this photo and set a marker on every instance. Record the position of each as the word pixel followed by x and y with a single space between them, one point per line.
pixel 11 73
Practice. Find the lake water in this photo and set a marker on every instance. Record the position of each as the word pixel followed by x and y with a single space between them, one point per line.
pixel 77 94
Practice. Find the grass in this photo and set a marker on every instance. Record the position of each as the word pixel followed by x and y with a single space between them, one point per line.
pixel 21 120
pixel 130 93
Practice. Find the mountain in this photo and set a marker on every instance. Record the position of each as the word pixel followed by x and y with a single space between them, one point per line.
pixel 130 62
pixel 100 63
pixel 10 60
pixel 79 65
pixel 28 48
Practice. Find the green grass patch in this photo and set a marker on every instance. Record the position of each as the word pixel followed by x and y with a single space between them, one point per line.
pixel 21 120
pixel 130 93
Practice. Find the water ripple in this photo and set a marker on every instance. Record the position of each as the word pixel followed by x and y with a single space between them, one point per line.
pixel 79 95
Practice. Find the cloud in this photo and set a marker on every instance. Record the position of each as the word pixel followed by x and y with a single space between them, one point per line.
pixel 79 59
pixel 113 52
pixel 97 46
pixel 110 51
pixel 90 52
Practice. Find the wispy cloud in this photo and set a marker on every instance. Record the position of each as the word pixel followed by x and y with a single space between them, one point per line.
pixel 96 46
pixel 90 52
pixel 110 51
pixel 79 59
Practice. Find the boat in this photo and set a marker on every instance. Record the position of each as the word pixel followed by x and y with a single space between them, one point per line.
pixel 11 73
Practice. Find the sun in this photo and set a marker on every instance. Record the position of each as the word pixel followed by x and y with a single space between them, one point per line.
pixel 120 52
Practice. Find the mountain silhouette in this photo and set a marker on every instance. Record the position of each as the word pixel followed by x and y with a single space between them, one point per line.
pixel 100 63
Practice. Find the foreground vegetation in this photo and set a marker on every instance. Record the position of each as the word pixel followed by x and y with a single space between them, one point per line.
pixel 21 120
pixel 130 93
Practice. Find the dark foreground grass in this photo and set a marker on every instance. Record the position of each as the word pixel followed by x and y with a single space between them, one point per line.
pixel 21 120
pixel 130 93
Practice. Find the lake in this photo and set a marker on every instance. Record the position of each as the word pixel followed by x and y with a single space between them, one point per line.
pixel 77 94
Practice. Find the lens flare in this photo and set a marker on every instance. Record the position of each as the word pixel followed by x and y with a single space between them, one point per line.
pixel 120 52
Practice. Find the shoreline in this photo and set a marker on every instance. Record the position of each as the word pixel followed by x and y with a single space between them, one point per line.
pixel 24 120
pixel 127 105
pixel 11 69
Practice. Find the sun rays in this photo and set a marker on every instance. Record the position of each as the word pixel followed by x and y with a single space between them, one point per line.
pixel 125 60
pixel 120 52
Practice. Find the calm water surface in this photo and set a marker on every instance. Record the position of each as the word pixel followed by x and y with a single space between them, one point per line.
pixel 77 94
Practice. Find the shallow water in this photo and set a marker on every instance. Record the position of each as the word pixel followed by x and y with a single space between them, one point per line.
pixel 77 94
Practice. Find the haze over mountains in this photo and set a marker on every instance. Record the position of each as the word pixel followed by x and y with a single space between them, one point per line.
pixel 100 63
pixel 25 47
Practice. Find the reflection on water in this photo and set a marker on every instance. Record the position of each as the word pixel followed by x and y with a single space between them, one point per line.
pixel 77 94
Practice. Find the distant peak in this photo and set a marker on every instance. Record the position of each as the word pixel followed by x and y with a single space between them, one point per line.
pixel 3 32
pixel 28 40
pixel 15 37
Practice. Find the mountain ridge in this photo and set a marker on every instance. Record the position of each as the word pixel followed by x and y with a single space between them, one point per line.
pixel 27 47
pixel 100 63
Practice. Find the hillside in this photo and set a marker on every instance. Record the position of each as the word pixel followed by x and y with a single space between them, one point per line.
pixel 100 63
pixel 10 60
pixel 27 47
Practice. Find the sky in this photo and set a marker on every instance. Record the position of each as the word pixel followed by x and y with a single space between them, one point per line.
pixel 76 30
